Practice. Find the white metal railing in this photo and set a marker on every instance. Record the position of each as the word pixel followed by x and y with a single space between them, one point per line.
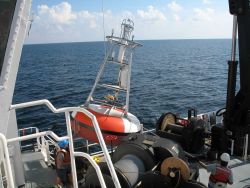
pixel 45 150
pixel 5 159
pixel 54 136
pixel 25 131
pixel 44 142
pixel 67 111
pixel 94 164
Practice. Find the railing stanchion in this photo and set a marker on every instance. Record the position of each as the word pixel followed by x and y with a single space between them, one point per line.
pixel 71 149
pixel 6 161
pixel 246 148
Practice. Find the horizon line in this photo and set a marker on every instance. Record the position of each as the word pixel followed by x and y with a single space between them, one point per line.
pixel 135 40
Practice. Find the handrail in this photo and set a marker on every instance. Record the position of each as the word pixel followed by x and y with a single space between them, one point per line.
pixel 7 165
pixel 76 154
pixel 66 110
pixel 31 128
pixel 93 163
pixel 48 138
pixel 36 135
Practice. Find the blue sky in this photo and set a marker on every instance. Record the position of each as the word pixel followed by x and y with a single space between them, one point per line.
pixel 82 20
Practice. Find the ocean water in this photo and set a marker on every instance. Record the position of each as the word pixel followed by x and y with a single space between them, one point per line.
pixel 167 75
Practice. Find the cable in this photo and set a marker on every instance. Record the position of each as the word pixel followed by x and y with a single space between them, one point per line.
pixel 103 27
pixel 179 179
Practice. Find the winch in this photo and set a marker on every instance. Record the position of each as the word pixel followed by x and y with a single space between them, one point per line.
pixel 189 133
pixel 143 159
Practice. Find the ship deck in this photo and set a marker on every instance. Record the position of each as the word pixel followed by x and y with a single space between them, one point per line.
pixel 37 172
pixel 39 175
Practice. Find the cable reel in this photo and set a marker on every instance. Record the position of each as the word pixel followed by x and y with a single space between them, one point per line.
pixel 173 167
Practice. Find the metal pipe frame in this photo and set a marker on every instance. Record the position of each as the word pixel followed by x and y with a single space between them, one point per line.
pixel 93 163
pixel 6 162
pixel 98 76
pixel 66 110
pixel 128 82
pixel 54 136
pixel 31 128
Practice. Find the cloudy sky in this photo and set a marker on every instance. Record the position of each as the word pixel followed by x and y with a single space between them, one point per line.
pixel 82 20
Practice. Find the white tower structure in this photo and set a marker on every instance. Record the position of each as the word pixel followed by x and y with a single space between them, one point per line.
pixel 124 45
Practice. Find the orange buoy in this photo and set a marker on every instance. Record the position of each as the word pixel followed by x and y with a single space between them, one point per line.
pixel 112 122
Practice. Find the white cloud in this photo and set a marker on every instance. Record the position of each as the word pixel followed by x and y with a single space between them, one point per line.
pixel 151 14
pixel 43 9
pixel 203 14
pixel 88 18
pixel 62 23
pixel 176 17
pixel 174 6
pixel 128 14
pixel 61 13
pixel 206 2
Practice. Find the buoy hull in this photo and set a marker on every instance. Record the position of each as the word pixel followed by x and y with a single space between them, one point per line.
pixel 113 125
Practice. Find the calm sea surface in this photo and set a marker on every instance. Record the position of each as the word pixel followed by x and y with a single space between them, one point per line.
pixel 167 75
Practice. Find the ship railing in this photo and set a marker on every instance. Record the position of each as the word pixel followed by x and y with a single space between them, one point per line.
pixel 28 131
pixel 42 144
pixel 51 144
pixel 46 144
pixel 54 136
pixel 69 136
pixel 6 176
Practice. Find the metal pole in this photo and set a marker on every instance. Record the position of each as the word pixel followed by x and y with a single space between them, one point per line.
pixel 231 82
pixel 95 165
pixel 98 76
pixel 128 82
pixel 105 150
pixel 6 163
pixel 234 37
pixel 87 143
pixel 1 179
pixel 40 134
pixel 246 147
pixel 232 147
pixel 71 149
